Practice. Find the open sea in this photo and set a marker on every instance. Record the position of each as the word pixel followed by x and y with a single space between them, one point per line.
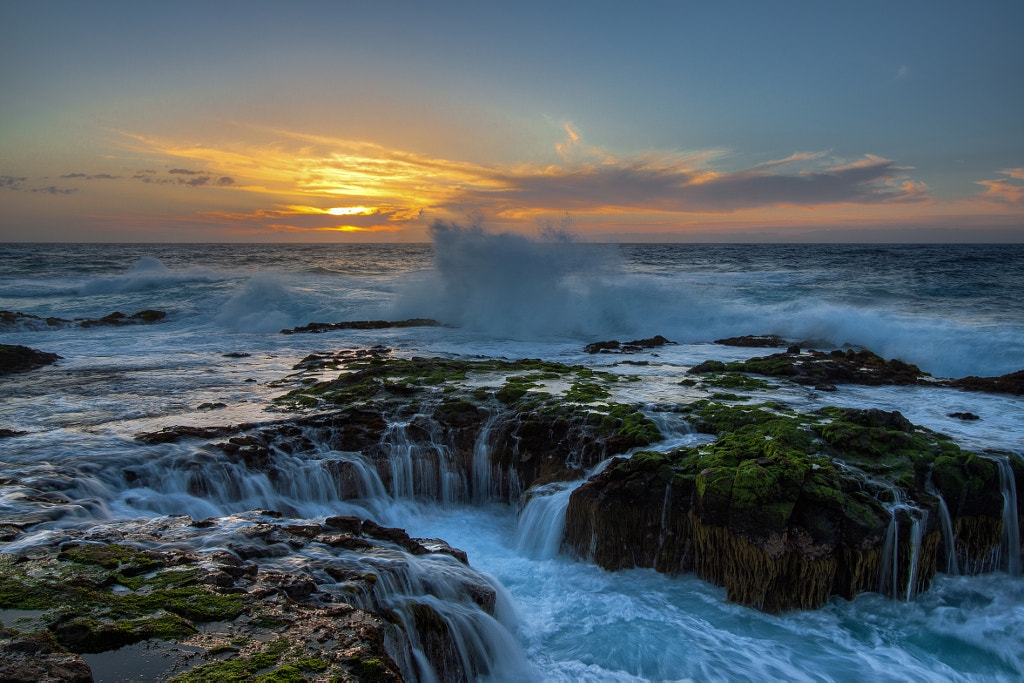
pixel 953 310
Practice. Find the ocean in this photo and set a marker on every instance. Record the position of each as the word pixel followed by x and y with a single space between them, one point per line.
pixel 953 310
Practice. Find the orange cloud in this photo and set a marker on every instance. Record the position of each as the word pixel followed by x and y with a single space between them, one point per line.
pixel 1005 190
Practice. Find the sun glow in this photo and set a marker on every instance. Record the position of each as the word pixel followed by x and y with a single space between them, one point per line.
pixel 351 211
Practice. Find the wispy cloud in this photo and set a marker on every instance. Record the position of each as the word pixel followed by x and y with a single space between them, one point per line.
pixel 1008 190
pixel 51 189
pixel 184 177
pixel 86 176
pixel 18 183
pixel 663 184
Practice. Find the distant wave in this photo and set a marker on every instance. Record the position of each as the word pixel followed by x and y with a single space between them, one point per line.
pixel 145 274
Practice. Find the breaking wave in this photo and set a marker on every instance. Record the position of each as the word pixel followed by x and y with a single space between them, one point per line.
pixel 511 286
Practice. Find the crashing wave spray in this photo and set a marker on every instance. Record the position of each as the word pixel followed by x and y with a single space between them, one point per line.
pixel 512 285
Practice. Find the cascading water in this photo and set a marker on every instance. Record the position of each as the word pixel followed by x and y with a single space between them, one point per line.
pixel 948 538
pixel 1010 549
pixel 889 566
pixel 484 484
pixel 542 519
pixel 401 450
pixel 434 596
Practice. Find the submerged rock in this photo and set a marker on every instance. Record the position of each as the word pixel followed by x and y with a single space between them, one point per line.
pixel 754 341
pixel 14 358
pixel 820 368
pixel 316 328
pixel 1012 383
pixel 634 346
pixel 119 319
pixel 115 319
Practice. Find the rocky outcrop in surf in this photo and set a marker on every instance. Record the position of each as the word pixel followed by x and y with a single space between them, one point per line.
pixel 635 346
pixel 17 319
pixel 1012 383
pixel 15 358
pixel 817 367
pixel 762 341
pixel 316 328
pixel 787 510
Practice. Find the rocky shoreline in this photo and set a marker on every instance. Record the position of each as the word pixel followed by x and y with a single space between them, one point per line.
pixel 785 509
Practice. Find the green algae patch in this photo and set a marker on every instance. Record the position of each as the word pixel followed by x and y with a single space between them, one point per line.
pixel 400 381
pixel 769 464
pixel 734 380
pixel 819 368
pixel 88 616
pixel 623 420
pixel 243 668
pixel 370 670
pixel 586 392
pixel 127 560
pixel 85 634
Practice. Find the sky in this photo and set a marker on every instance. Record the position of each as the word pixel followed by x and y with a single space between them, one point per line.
pixel 361 121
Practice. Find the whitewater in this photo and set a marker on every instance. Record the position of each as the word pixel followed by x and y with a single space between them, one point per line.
pixel 953 310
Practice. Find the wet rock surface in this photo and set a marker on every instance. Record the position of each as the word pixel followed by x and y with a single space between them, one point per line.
pixel 635 346
pixel 228 612
pixel 755 341
pixel 817 367
pixel 1012 383
pixel 316 328
pixel 14 358
pixel 115 319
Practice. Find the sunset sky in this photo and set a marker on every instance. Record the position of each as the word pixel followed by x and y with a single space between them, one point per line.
pixel 224 121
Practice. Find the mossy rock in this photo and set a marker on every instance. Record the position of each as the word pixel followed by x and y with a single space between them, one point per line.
pixel 85 634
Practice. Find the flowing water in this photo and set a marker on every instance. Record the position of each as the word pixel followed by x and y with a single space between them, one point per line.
pixel 953 310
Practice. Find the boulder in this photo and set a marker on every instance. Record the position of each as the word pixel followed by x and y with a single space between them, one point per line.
pixel 15 358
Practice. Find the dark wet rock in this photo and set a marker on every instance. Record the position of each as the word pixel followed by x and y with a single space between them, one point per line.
pixel 348 524
pixel 754 341
pixel 174 434
pixel 236 354
pixel 820 368
pixel 1012 383
pixel 8 433
pixel 14 358
pixel 32 322
pixel 32 657
pixel 115 319
pixel 118 319
pixel 964 416
pixel 635 346
pixel 316 328
pixel 296 587
pixel 211 406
